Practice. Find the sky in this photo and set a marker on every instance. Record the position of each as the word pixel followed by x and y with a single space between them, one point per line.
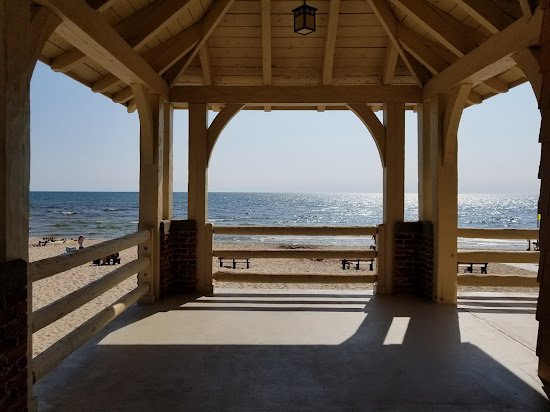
pixel 82 141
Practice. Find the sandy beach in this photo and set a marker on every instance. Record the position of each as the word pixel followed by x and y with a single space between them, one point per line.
pixel 48 290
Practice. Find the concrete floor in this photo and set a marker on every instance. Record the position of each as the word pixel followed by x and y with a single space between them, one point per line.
pixel 297 350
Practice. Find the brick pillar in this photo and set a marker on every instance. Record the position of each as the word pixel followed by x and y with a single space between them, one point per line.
pixel 13 335
pixel 178 256
pixel 413 258
pixel 543 307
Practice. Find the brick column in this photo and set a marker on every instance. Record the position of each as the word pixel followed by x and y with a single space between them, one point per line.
pixel 178 256
pixel 13 335
pixel 543 307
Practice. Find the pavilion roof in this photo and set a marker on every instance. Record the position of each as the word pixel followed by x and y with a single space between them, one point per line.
pixel 252 43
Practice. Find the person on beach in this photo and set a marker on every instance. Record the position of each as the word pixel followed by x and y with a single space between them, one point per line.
pixel 81 242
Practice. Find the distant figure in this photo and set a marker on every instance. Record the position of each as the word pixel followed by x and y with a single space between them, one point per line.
pixel 81 242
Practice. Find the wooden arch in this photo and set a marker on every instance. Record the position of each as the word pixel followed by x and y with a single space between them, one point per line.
pixel 374 125
pixel 222 119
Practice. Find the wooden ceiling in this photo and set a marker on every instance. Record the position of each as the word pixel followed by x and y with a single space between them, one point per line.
pixel 252 43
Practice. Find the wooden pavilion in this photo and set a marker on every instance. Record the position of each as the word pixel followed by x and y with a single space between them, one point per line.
pixel 435 57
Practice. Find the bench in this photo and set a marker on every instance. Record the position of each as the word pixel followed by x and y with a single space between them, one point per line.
pixel 469 267
pixel 356 262
pixel 235 262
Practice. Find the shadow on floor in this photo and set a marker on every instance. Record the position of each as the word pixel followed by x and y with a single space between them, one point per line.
pixel 391 353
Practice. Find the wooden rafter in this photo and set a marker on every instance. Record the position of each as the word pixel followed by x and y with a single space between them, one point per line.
pixel 206 67
pixel 389 23
pixel 526 8
pixel 101 5
pixel 208 24
pixel 390 63
pixel 161 58
pixel 330 42
pixel 487 13
pixel 137 29
pixel 472 67
pixel 430 20
pixel 90 33
pixel 292 95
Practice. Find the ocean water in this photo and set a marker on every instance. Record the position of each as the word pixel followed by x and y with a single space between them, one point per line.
pixel 110 214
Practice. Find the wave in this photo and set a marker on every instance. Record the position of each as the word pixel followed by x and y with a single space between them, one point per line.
pixel 72 212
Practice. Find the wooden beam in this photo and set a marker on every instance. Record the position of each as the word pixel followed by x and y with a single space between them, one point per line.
pixel 43 24
pixel 469 68
pixel 218 124
pixel 101 85
pixel 487 13
pixel 90 33
pixel 206 67
pixel 428 19
pixel 210 21
pixel 124 95
pixel 266 41
pixel 421 50
pixel 330 42
pixel 390 62
pixel 140 27
pixel 453 112
pixel 67 61
pixel 374 125
pixel 389 23
pixel 302 95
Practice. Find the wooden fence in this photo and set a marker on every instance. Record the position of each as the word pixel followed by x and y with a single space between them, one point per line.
pixel 43 317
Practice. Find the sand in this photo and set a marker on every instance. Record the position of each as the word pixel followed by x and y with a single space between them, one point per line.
pixel 48 290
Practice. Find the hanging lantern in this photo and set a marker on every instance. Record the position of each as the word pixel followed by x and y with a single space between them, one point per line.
pixel 304 19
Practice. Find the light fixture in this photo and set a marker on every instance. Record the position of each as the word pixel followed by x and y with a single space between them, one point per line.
pixel 304 19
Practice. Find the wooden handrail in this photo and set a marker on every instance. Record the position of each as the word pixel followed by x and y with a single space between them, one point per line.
pixel 481 233
pixel 44 268
pixel 297 254
pixel 297 230
pixel 52 356
pixel 62 307
pixel 499 256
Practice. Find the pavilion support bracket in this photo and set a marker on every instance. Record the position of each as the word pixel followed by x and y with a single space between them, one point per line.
pixel 373 124
pixel 453 112
pixel 222 119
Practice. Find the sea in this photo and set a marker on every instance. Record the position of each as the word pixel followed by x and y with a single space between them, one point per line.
pixel 107 215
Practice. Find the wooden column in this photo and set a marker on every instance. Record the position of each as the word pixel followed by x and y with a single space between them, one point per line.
pixel 151 119
pixel 24 29
pixel 424 163
pixel 168 163
pixel 394 189
pixel 198 190
pixel 543 305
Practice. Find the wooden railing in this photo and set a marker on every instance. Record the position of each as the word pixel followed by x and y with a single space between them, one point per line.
pixel 500 256
pixel 43 317
pixel 352 253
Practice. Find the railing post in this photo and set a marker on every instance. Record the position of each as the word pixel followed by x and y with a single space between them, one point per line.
pixel 208 255
pixel 380 257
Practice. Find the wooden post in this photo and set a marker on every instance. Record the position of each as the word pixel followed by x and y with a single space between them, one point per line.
pixel 394 190
pixel 24 29
pixel 151 119
pixel 198 190
pixel 543 305
pixel 444 207
pixel 168 163
pixel 424 159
